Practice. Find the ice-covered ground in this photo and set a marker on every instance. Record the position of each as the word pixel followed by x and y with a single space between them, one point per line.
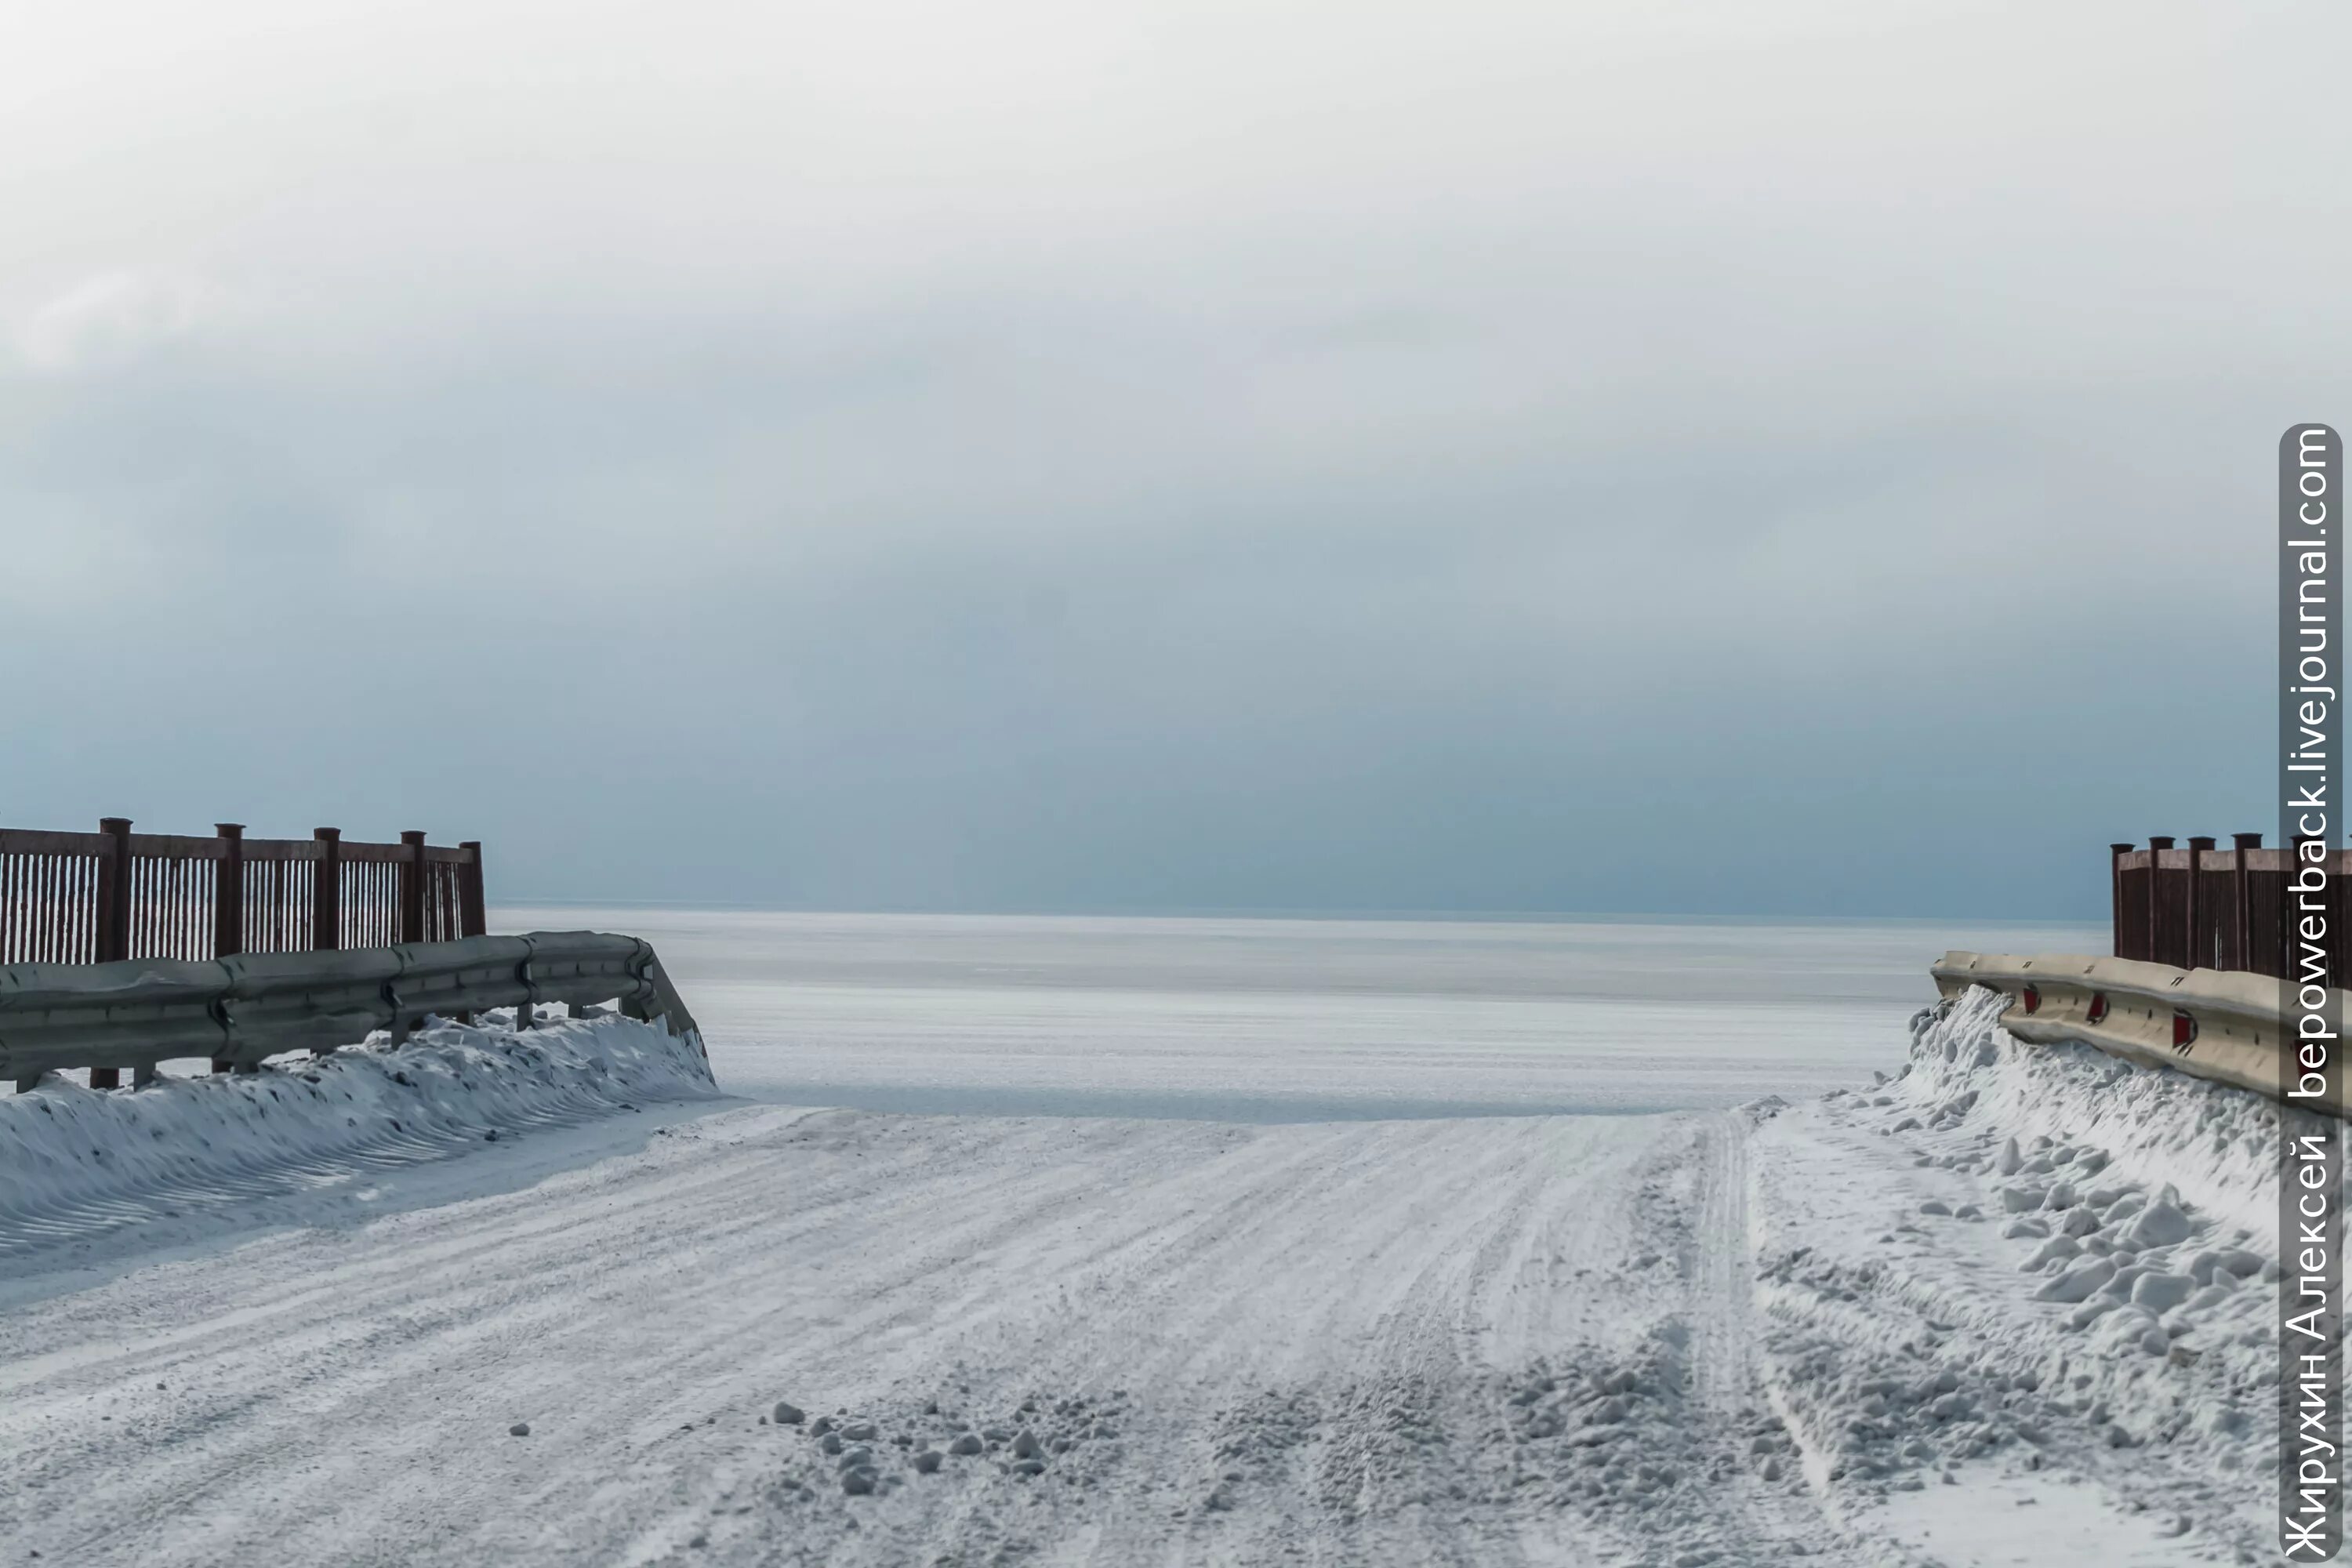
pixel 2006 1308
pixel 1235 1019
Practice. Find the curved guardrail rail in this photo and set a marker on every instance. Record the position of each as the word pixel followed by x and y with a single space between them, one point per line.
pixel 2222 1024
pixel 237 1011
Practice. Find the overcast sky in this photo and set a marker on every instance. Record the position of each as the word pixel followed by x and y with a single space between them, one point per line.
pixel 1732 457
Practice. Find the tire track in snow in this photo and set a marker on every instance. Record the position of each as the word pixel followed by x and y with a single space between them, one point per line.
pixel 341 1396
pixel 1494 1342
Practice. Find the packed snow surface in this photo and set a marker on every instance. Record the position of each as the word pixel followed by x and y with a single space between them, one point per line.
pixel 2007 1307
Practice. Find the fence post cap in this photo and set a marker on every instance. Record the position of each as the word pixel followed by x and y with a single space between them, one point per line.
pixel 2247 840
pixel 2123 848
pixel 326 833
pixel 2200 841
pixel 412 835
pixel 2163 841
pixel 229 829
pixel 114 824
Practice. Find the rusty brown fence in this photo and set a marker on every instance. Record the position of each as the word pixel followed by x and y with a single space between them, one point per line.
pixel 2204 907
pixel 95 898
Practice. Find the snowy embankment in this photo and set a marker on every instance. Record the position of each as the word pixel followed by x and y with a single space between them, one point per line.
pixel 76 1162
pixel 2006 1307
pixel 2054 1265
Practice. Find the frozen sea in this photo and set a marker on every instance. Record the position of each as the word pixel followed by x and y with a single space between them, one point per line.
pixel 1293 1020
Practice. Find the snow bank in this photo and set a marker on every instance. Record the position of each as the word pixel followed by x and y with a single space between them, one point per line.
pixel 73 1161
pixel 2149 1199
pixel 2076 1269
pixel 2218 1145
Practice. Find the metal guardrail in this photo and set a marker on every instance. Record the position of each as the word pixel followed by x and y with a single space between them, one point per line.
pixel 237 1011
pixel 2213 1023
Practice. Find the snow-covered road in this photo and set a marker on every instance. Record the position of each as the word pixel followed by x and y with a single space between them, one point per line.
pixel 1737 1338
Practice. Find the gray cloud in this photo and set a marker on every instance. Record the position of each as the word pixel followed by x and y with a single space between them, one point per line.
pixel 1184 459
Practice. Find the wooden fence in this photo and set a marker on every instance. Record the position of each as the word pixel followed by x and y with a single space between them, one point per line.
pixel 2202 907
pixel 95 898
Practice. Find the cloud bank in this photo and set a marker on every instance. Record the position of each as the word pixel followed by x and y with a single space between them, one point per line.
pixel 1600 457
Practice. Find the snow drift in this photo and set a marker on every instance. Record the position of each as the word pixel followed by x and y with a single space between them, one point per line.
pixel 2218 1144
pixel 2054 1261
pixel 76 1162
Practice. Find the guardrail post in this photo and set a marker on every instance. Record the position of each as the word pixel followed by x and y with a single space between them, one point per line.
pixel 2156 849
pixel 228 891
pixel 2242 891
pixel 2199 955
pixel 473 912
pixel 2116 852
pixel 412 886
pixel 326 890
pixel 526 1016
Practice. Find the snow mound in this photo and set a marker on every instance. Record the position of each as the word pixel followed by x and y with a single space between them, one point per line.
pixel 2076 1269
pixel 75 1162
pixel 2078 1113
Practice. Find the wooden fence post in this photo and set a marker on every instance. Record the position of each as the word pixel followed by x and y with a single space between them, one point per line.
pixel 327 891
pixel 2200 956
pixel 473 912
pixel 2156 849
pixel 2243 895
pixel 412 886
pixel 228 891
pixel 111 940
pixel 2116 852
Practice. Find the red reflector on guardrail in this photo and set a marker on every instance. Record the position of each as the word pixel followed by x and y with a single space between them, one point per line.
pixel 2031 997
pixel 2098 1012
pixel 2184 1030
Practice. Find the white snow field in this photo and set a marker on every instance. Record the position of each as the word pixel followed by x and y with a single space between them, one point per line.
pixel 2008 1308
